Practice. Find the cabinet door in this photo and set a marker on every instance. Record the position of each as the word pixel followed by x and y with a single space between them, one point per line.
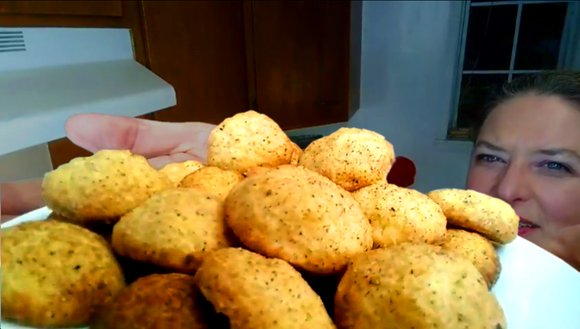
pixel 199 48
pixel 302 57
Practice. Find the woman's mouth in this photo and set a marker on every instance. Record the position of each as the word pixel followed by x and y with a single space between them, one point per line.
pixel 526 227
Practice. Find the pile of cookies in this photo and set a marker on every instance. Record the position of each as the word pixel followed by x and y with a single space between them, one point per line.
pixel 265 235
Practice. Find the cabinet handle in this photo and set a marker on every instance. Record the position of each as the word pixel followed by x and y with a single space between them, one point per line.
pixel 325 104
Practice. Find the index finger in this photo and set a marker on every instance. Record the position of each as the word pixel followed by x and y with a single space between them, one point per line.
pixel 95 132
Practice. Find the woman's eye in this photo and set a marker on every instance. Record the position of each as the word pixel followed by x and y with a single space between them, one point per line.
pixel 487 158
pixel 556 166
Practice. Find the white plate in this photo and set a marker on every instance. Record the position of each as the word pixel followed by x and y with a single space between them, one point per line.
pixel 536 289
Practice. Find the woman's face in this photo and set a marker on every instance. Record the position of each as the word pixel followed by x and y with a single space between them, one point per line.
pixel 528 154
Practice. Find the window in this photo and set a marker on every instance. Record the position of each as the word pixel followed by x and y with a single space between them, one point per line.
pixel 502 40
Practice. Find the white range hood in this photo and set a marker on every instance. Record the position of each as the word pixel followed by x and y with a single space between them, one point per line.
pixel 49 74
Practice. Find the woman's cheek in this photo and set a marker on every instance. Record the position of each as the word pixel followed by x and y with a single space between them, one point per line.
pixel 561 205
pixel 481 180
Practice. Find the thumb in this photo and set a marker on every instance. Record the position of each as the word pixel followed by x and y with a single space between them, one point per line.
pixel 95 132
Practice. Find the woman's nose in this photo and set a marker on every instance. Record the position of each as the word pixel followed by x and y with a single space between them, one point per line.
pixel 514 184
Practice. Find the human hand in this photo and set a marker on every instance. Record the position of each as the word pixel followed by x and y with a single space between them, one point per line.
pixel 160 142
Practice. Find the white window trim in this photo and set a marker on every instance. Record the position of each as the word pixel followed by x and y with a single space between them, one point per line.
pixel 569 47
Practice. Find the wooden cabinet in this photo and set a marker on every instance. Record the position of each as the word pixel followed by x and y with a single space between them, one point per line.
pixel 296 61
pixel 199 48
pixel 305 54
pixel 292 60
pixel 83 8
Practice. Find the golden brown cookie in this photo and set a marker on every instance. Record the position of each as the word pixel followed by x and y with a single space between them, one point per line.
pixel 178 171
pixel 350 157
pixel 476 249
pixel 493 218
pixel 400 215
pixel 299 216
pixel 256 292
pixel 247 140
pixel 414 286
pixel 254 171
pixel 157 301
pixel 56 274
pixel 173 230
pixel 213 180
pixel 102 187
pixel 296 153
pixel 101 228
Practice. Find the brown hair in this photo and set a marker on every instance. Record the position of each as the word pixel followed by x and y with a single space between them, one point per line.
pixel 564 84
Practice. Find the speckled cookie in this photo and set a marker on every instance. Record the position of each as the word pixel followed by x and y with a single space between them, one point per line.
pixel 400 215
pixel 178 171
pixel 300 216
pixel 247 140
pixel 350 157
pixel 476 249
pixel 105 230
pixel 213 180
pixel 493 218
pixel 415 286
pixel 296 153
pixel 157 301
pixel 256 292
pixel 255 171
pixel 56 274
pixel 102 187
pixel 173 230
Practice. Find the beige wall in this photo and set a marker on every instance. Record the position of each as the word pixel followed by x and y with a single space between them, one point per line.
pixel 32 162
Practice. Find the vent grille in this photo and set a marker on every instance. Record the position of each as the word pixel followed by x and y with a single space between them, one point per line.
pixel 12 41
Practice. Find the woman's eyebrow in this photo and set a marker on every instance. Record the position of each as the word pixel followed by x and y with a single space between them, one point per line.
pixel 560 151
pixel 486 144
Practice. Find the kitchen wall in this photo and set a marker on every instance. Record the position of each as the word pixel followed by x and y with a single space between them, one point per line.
pixel 409 53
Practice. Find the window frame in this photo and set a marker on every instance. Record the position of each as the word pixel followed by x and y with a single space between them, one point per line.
pixel 569 35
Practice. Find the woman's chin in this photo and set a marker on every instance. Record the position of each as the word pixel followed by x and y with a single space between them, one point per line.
pixel 535 236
